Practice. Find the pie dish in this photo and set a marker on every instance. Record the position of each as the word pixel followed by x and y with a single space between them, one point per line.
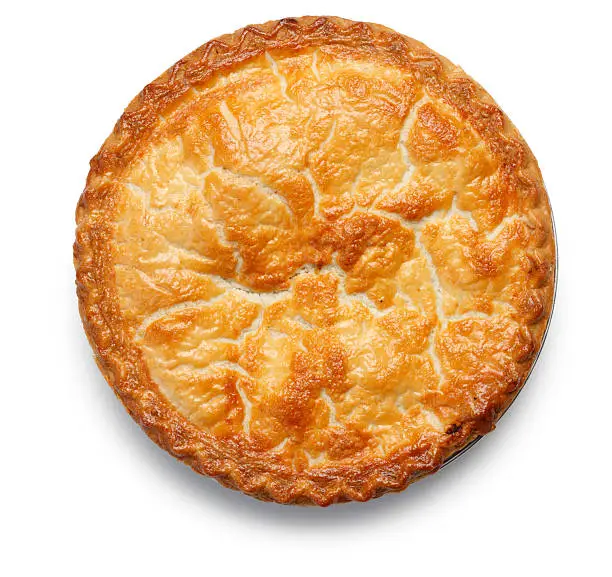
pixel 315 260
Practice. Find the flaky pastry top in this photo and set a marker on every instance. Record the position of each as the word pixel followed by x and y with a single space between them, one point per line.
pixel 314 260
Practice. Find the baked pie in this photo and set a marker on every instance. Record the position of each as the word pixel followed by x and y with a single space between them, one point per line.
pixel 315 260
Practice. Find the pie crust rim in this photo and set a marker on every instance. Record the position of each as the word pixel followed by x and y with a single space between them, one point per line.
pixel 121 361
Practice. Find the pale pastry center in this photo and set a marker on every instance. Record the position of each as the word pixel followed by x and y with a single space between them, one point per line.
pixel 296 254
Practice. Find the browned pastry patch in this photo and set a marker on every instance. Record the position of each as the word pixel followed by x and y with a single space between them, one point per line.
pixel 314 260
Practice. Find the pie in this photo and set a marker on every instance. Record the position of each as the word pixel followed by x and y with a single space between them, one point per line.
pixel 315 260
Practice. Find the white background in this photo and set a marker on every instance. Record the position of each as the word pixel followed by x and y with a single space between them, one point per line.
pixel 84 492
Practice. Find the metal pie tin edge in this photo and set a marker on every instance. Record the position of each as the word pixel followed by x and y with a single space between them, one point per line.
pixel 467 447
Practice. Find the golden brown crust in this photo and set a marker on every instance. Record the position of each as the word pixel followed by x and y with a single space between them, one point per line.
pixel 484 241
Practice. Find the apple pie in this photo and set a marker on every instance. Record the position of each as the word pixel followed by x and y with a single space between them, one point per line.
pixel 315 260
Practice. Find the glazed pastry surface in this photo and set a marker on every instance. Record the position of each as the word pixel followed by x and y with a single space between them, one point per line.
pixel 322 268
